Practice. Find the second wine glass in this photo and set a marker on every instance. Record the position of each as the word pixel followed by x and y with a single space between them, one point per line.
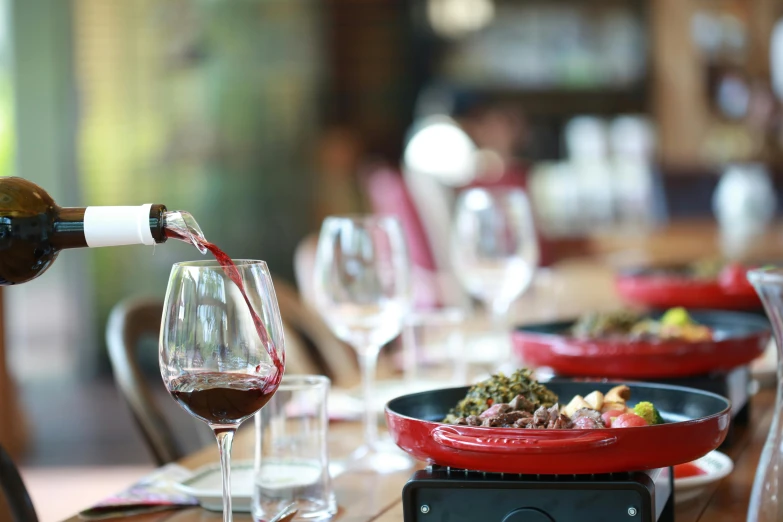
pixel 494 255
pixel 362 278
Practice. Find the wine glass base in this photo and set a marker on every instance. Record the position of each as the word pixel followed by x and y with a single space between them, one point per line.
pixel 381 457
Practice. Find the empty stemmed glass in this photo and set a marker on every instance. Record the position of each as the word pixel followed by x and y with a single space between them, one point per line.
pixel 221 353
pixel 362 290
pixel 494 252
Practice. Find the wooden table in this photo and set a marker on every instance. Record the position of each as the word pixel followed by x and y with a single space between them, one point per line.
pixel 570 289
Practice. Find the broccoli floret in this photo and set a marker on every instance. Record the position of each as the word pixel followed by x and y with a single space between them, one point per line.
pixel 676 317
pixel 647 411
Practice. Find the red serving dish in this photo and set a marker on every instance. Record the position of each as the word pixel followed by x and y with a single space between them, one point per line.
pixel 670 287
pixel 738 339
pixel 696 423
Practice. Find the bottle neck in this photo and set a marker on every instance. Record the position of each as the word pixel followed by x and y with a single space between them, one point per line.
pixel 76 227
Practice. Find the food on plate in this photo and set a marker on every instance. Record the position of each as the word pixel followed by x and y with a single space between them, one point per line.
pixel 648 412
pixel 503 390
pixel 730 274
pixel 610 416
pixel 628 420
pixel 606 324
pixel 521 402
pixel 710 268
pixel 675 323
pixel 689 469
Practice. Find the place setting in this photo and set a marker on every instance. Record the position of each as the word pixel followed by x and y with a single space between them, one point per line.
pixel 620 411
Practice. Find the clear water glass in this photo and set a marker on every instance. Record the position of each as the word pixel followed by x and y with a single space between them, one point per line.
pixel 292 456
pixel 433 349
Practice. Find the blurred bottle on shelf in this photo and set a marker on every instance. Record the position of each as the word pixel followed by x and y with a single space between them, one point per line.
pixel 606 181
pixel 744 204
pixel 540 46
pixel 638 204
pixel 587 145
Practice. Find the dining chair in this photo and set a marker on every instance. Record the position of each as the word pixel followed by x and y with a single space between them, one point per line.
pixel 333 358
pixel 16 501
pixel 130 323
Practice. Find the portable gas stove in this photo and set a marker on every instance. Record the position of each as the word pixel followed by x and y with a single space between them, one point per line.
pixel 549 475
pixel 439 494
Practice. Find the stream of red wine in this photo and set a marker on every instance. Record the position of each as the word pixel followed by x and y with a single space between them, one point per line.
pixel 231 271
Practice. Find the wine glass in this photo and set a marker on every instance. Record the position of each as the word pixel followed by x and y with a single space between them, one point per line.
pixel 362 290
pixel 221 347
pixel 494 253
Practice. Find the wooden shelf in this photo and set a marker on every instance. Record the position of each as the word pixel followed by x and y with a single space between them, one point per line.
pixel 564 102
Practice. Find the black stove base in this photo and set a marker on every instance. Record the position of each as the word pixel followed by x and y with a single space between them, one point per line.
pixel 439 494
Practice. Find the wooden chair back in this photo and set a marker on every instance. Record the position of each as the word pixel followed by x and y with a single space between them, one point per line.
pixel 16 499
pixel 129 323
pixel 322 350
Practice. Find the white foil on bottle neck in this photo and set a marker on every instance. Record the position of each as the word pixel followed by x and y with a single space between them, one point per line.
pixel 116 226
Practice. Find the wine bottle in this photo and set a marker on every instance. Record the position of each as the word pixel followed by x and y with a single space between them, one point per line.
pixel 34 229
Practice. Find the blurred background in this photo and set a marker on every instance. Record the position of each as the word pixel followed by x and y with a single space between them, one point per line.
pixel 260 117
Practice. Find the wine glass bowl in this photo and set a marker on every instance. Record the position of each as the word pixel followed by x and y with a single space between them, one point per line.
pixel 362 289
pixel 494 255
pixel 494 251
pixel 221 346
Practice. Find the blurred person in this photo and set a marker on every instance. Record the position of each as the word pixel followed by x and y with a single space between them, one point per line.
pixel 499 131
pixel 336 188
pixel 335 191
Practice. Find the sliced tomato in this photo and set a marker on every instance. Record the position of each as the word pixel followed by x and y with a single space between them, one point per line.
pixel 689 469
pixel 628 420
pixel 734 277
pixel 609 416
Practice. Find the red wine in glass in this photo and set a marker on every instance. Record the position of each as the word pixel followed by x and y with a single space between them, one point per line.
pixel 222 398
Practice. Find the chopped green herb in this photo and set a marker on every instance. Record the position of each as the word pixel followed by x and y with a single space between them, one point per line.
pixel 502 389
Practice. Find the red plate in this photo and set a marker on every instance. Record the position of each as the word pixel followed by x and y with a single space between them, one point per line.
pixel 697 423
pixel 666 288
pixel 738 339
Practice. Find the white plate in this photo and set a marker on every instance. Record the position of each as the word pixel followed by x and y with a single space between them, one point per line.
pixel 207 487
pixel 348 404
pixel 716 464
pixel 765 368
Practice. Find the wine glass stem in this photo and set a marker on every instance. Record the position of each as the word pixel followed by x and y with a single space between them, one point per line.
pixel 368 359
pixel 499 314
pixel 499 319
pixel 225 436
